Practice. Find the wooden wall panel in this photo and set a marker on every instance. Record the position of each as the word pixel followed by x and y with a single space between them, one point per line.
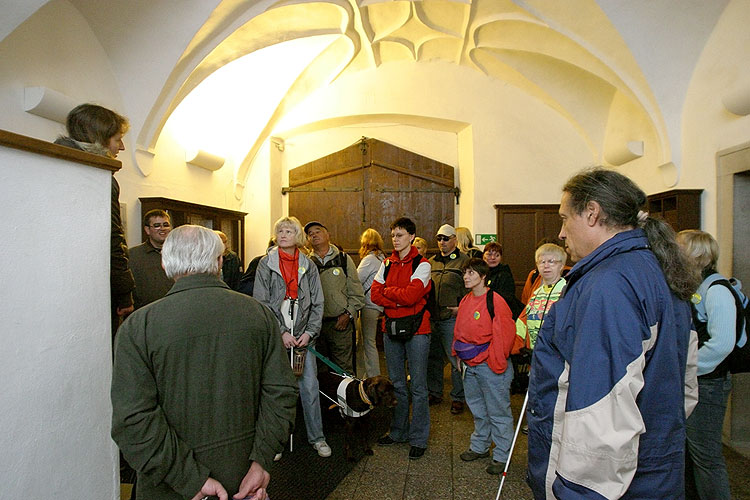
pixel 519 228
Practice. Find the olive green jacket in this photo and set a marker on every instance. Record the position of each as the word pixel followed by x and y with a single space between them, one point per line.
pixel 201 387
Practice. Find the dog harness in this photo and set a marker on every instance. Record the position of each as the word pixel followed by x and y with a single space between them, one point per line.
pixel 344 408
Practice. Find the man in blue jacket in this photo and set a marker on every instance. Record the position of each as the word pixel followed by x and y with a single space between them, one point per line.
pixel 613 373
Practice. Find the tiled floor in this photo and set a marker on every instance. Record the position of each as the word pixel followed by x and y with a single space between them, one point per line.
pixel 440 474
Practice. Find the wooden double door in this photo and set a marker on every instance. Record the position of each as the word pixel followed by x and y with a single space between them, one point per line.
pixel 370 184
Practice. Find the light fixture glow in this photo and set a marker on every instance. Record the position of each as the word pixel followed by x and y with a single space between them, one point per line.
pixel 230 108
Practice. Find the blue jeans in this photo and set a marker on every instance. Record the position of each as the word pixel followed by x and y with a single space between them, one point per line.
pixel 488 397
pixel 441 345
pixel 308 392
pixel 704 449
pixel 396 354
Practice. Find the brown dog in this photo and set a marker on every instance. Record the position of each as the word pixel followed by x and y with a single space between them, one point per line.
pixel 356 399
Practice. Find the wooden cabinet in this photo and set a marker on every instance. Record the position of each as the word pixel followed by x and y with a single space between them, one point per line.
pixel 229 222
pixel 681 208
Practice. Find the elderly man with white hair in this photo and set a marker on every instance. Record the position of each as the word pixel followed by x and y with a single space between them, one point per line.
pixel 201 401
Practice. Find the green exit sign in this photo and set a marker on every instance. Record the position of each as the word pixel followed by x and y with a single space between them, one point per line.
pixel 483 239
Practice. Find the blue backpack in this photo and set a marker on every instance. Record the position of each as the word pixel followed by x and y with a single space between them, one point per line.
pixel 738 360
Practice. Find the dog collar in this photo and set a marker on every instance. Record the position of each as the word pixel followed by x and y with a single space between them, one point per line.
pixel 363 395
pixel 344 408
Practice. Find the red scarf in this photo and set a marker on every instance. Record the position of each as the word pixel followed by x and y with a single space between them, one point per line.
pixel 288 265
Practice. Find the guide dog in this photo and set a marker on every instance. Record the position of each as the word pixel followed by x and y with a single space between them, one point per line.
pixel 355 400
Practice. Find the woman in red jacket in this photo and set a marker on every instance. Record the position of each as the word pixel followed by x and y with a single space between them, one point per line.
pixel 401 286
pixel 482 344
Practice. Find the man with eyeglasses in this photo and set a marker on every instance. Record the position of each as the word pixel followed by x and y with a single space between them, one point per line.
pixel 447 277
pixel 151 282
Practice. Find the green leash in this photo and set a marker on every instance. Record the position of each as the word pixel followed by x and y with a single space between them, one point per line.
pixel 333 366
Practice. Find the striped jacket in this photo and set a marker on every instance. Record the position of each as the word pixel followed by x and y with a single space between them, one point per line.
pixel 607 390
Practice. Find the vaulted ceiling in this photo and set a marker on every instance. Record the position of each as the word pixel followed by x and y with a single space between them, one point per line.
pixel 567 55
pixel 616 72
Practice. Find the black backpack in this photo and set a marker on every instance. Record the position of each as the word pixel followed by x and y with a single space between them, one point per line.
pixel 738 360
pixel 247 281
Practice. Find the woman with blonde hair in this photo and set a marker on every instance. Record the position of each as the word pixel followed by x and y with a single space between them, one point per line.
pixel 465 243
pixel 287 282
pixel 421 245
pixel 714 317
pixel 550 259
pixel 372 255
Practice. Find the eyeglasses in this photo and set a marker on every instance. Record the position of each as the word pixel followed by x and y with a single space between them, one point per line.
pixel 440 237
pixel 550 262
pixel 159 225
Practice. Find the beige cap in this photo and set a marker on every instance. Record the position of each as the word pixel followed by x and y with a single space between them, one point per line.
pixel 446 230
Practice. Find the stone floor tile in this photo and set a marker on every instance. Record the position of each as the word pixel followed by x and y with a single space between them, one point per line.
pixel 348 486
pixel 378 486
pixel 435 462
pixel 437 487
pixel 389 459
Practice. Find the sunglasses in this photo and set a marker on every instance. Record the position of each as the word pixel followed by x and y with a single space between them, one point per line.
pixel 440 237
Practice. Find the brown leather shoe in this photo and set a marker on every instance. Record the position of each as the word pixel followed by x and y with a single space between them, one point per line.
pixel 457 407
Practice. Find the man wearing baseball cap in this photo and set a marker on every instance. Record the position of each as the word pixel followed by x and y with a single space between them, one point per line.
pixel 343 296
pixel 447 278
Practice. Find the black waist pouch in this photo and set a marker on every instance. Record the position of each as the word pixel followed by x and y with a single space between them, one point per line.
pixel 403 329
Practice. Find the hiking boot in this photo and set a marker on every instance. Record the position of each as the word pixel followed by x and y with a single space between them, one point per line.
pixel 495 468
pixel 434 400
pixel 386 440
pixel 457 407
pixel 470 455
pixel 416 452
pixel 323 449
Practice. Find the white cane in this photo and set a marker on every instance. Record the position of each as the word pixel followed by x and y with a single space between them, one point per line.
pixel 291 361
pixel 512 445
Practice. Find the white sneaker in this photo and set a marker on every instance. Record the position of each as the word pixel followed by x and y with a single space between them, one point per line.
pixel 322 448
pixel 277 457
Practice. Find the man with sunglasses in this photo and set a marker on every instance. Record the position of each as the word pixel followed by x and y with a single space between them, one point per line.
pixel 151 282
pixel 447 277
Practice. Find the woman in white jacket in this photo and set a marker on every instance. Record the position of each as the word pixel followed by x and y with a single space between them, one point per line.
pixel 372 255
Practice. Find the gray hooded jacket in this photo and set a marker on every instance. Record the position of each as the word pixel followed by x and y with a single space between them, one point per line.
pixel 270 290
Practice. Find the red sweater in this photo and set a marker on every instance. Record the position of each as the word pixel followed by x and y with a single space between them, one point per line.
pixel 405 292
pixel 473 326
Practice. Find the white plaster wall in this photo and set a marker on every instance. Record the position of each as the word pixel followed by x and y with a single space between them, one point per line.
pixel 15 12
pixel 680 31
pixel 56 48
pixel 262 201
pixel 54 312
pixel 708 127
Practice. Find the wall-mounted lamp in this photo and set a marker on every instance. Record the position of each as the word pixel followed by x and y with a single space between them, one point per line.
pixel 48 103
pixel 279 143
pixel 203 159
pixel 738 101
pixel 670 174
pixel 622 155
